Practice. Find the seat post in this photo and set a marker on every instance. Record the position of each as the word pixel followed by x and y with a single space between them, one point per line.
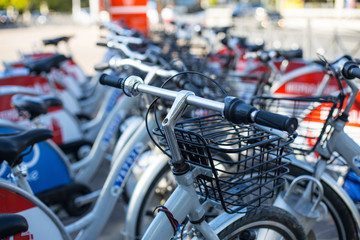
pixel 19 175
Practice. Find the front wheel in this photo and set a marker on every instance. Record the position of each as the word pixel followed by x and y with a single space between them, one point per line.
pixel 266 222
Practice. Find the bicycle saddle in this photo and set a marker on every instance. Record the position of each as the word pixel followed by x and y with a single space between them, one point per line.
pixel 12 145
pixel 45 64
pixel 55 41
pixel 34 105
pixel 12 224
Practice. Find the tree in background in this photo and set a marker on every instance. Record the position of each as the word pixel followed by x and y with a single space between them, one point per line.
pixel 21 5
pixel 18 4
pixel 60 6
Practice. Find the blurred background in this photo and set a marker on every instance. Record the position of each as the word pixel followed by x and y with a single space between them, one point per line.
pixel 328 27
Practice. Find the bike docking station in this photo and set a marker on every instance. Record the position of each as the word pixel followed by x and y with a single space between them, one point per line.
pixel 302 205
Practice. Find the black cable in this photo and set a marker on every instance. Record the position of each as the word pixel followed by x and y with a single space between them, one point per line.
pixel 197 73
pixel 183 228
pixel 152 105
pixel 174 223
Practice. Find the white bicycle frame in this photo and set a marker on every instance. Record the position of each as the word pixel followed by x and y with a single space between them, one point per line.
pixel 93 223
pixel 184 200
pixel 349 150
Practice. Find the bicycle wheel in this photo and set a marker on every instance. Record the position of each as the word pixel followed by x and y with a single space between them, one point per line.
pixel 159 191
pixel 265 222
pixel 339 223
pixel 278 222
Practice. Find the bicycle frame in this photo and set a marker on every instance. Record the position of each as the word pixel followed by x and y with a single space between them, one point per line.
pixel 333 184
pixel 91 224
pixel 349 150
pixel 184 200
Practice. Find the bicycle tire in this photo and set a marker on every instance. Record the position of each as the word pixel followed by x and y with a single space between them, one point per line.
pixel 346 227
pixel 146 211
pixel 264 217
pixel 280 219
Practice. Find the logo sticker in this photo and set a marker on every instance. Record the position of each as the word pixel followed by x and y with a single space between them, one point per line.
pixel 126 167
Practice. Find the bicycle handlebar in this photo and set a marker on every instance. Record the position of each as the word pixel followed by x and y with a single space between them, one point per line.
pixel 126 50
pixel 347 67
pixel 102 66
pixel 126 39
pixel 113 27
pixel 101 44
pixel 355 72
pixel 233 109
pixel 116 62
pixel 351 70
pixel 237 111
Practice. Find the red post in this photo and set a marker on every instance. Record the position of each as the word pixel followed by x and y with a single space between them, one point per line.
pixel 132 12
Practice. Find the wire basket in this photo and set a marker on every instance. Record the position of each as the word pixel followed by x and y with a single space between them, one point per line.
pixel 242 165
pixel 313 114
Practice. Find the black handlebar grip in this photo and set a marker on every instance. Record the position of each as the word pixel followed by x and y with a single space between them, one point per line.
pixel 101 44
pixel 112 81
pixel 102 66
pixel 277 121
pixel 355 72
pixel 236 111
pixel 351 70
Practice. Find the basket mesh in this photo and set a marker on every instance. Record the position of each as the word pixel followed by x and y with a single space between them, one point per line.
pixel 243 165
pixel 313 114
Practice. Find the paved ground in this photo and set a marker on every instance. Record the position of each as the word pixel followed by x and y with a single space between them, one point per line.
pixel 28 39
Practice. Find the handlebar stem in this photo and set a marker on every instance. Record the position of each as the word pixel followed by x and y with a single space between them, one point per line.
pixel 176 111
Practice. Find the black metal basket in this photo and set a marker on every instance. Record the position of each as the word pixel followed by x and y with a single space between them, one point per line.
pixel 242 164
pixel 313 114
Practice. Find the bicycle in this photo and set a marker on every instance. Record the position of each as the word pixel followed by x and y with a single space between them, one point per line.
pixel 335 150
pixel 171 213
pixel 83 170
pixel 89 225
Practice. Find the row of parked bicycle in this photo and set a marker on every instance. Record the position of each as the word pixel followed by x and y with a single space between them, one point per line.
pixel 279 160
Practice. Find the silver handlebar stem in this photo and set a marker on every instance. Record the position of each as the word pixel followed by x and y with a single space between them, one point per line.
pixel 176 111
pixel 133 85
